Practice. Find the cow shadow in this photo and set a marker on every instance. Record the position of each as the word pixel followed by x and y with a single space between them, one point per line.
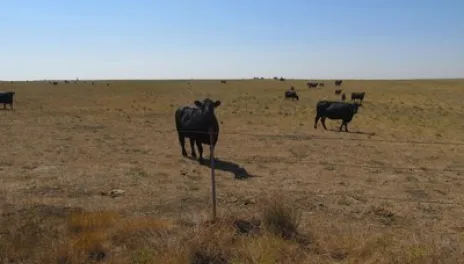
pixel 354 132
pixel 238 171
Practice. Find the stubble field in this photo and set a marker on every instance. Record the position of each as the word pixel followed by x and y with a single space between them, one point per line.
pixel 390 191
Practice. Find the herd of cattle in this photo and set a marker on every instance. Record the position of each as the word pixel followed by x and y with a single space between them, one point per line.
pixel 354 95
pixel 199 124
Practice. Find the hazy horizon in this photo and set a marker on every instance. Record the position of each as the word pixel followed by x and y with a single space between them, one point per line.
pixel 201 40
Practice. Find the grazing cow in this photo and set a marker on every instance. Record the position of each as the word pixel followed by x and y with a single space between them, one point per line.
pixel 338 82
pixel 343 97
pixel 7 98
pixel 321 84
pixel 66 82
pixel 282 79
pixel 312 84
pixel 359 96
pixel 224 81
pixel 339 91
pixel 195 123
pixel 335 110
pixel 55 83
pixel 291 94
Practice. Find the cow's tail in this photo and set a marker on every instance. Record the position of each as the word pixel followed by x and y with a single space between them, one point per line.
pixel 319 112
pixel 318 115
pixel 178 118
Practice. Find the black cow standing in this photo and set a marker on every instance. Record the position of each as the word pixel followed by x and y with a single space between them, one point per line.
pixel 312 84
pixel 338 82
pixel 291 94
pixel 359 96
pixel 195 123
pixel 7 98
pixel 335 110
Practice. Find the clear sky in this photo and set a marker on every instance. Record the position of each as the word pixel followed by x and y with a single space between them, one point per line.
pixel 171 39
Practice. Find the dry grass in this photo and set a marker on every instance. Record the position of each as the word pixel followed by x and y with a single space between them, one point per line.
pixel 349 200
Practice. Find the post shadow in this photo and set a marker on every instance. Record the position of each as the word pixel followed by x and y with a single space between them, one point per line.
pixel 239 172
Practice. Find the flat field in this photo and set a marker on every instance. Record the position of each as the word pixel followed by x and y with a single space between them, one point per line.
pixel 390 191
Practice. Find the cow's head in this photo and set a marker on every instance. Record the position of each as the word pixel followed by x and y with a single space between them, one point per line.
pixel 207 105
pixel 356 107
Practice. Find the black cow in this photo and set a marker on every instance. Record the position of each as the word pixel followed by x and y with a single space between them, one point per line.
pixel 343 97
pixel 359 96
pixel 7 98
pixel 224 81
pixel 321 84
pixel 338 82
pixel 335 110
pixel 339 91
pixel 291 94
pixel 282 79
pixel 195 123
pixel 312 84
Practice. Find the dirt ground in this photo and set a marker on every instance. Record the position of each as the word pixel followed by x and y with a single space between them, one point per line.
pixel 398 172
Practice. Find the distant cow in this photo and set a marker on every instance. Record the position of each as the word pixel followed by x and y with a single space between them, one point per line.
pixel 338 91
pixel 321 84
pixel 7 98
pixel 195 123
pixel 291 94
pixel 55 83
pixel 282 79
pixel 224 81
pixel 335 110
pixel 312 84
pixel 359 96
pixel 66 82
pixel 343 97
pixel 338 82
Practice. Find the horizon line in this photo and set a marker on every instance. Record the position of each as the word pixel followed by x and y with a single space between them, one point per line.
pixel 241 79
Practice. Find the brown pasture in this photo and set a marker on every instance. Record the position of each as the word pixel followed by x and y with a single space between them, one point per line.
pixel 390 191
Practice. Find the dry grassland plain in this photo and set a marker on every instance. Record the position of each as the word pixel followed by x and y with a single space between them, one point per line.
pixel 388 192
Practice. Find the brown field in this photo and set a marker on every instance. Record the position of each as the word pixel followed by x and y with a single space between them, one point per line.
pixel 389 192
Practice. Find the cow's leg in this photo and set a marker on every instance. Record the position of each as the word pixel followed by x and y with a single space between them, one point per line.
pixel 343 123
pixel 192 146
pixel 323 122
pixel 182 144
pixel 200 151
pixel 346 126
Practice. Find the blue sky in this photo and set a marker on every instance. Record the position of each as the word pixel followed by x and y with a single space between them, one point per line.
pixel 142 39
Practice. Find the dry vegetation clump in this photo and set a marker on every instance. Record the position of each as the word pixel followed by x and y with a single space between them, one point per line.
pixel 76 236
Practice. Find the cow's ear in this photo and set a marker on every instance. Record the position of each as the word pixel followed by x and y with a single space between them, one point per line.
pixel 197 103
pixel 217 103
